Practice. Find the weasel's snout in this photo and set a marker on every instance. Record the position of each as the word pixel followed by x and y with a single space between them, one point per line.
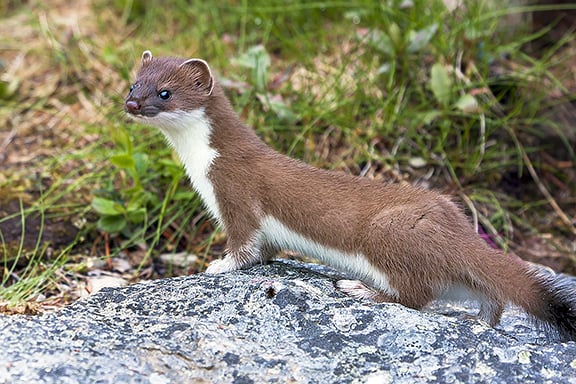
pixel 133 107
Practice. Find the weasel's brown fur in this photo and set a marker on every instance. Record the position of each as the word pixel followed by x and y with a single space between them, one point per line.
pixel 404 244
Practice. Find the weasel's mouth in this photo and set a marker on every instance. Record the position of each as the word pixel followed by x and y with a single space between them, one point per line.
pixel 136 109
pixel 133 115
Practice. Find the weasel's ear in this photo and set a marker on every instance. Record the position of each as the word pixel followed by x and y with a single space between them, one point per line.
pixel 199 71
pixel 146 56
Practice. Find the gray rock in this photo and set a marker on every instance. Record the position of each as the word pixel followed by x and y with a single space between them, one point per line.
pixel 279 323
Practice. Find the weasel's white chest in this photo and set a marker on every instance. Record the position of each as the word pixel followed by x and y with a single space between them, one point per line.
pixel 189 134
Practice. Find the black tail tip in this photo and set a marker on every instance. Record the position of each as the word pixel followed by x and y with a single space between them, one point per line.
pixel 559 310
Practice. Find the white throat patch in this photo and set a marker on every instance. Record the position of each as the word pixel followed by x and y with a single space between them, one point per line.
pixel 189 134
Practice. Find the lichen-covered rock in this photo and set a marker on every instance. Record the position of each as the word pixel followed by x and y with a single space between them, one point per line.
pixel 283 322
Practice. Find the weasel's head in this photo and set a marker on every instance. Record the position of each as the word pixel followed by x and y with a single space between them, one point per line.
pixel 168 85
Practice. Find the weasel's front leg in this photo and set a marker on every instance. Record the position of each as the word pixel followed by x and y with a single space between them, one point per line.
pixel 243 257
pixel 244 238
pixel 235 258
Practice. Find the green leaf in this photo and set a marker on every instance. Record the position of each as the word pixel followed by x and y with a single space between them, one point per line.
pixel 278 106
pixel 183 195
pixel 441 84
pixel 124 161
pixel 141 163
pixel 169 167
pixel 257 59
pixel 8 89
pixel 122 139
pixel 282 111
pixel 138 200
pixel 428 117
pixel 107 207
pixel 420 39
pixel 136 203
pixel 467 103
pixel 382 42
pixel 112 224
pixel 395 35
pixel 137 216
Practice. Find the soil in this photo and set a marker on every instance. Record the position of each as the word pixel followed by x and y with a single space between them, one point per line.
pixel 39 233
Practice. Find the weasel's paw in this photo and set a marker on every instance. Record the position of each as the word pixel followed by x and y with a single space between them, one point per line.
pixel 221 265
pixel 359 290
pixel 355 288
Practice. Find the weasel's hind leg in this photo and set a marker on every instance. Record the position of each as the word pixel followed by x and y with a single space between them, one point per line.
pixel 490 311
pixel 268 251
pixel 359 290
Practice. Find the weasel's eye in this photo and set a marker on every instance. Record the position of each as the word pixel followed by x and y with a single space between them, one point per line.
pixel 131 87
pixel 164 95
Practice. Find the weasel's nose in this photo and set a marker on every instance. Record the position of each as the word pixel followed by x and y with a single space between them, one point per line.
pixel 132 107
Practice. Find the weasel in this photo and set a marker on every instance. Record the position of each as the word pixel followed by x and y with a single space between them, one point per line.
pixel 400 243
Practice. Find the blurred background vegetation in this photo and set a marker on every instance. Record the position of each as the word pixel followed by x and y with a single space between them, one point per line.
pixel 474 99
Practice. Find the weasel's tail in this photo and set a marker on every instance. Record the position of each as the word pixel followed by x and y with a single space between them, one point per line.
pixel 549 299
pixel 553 304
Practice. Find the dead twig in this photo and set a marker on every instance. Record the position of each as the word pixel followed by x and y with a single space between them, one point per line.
pixel 565 219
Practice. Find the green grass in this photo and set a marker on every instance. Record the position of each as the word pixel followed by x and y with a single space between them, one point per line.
pixel 363 87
